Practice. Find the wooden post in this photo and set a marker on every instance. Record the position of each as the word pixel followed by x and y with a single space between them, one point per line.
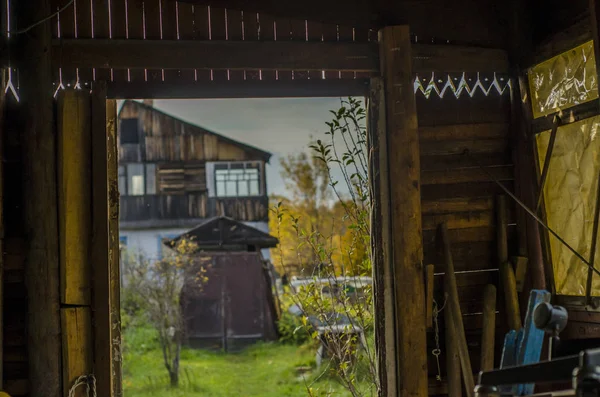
pixel 430 283
pixel 77 347
pixel 488 334
pixel 2 223
pixel 507 273
pixel 451 290
pixel 40 199
pixel 113 241
pixel 74 195
pixel 453 373
pixel 100 243
pixel 405 211
pixel 383 272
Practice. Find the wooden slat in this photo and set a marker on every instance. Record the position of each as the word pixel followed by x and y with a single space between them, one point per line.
pixel 152 18
pixel 472 146
pixel 298 33
pixel 202 31
pixel 453 58
pixel 346 35
pixel 461 161
pixel 330 34
pixel 187 31
pixel 118 22
pixel 251 33
pixel 315 33
pixel 457 205
pixel 84 30
pixel 463 110
pixel 135 30
pixel 283 35
pixel 502 173
pixel 113 243
pixel 77 347
pixel 266 33
pixel 235 33
pixel 479 189
pixel 216 54
pixel 485 233
pixel 67 31
pixel 240 89
pixel 169 30
pixel 74 195
pixel 459 220
pixel 101 25
pixel 100 243
pixel 218 31
pixel 464 132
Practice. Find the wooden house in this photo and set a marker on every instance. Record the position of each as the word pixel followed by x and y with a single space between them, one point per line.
pixel 460 111
pixel 174 175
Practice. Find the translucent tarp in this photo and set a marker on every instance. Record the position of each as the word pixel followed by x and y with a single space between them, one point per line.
pixel 569 197
pixel 564 81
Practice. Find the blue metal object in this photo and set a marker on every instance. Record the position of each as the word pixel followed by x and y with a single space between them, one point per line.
pixel 525 346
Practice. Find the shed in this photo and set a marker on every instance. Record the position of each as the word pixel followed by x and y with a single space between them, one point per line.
pixel 235 307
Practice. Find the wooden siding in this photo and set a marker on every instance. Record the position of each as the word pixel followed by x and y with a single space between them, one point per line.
pixel 192 206
pixel 164 138
pixel 456 190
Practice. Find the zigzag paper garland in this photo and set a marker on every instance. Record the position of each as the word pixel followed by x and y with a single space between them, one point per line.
pixel 458 86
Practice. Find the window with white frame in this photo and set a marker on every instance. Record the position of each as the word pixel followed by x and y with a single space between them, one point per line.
pixel 237 179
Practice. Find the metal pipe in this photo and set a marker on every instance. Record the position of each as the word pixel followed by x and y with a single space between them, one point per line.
pixel 533 215
pixel 547 158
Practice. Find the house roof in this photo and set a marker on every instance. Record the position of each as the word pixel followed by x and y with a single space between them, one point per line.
pixel 222 231
pixel 261 153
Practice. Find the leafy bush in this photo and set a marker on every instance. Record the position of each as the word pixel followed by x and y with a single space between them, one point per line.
pixel 291 329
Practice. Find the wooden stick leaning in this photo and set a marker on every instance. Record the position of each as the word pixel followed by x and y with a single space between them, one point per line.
pixel 451 291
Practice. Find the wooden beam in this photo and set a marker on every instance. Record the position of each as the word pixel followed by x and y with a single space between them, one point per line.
pixel 77 347
pixel 453 370
pixel 74 195
pixel 232 55
pixel 488 333
pixel 383 271
pixel 239 89
pixel 40 201
pixel 266 55
pixel 405 200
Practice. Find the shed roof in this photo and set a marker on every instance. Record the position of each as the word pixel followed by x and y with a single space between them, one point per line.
pixel 261 153
pixel 221 231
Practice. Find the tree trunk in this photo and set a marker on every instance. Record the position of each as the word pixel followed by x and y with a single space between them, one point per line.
pixel 174 376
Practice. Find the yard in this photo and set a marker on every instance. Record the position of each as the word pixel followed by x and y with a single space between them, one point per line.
pixel 269 370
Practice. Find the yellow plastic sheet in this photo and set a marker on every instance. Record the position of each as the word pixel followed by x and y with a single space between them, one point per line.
pixel 569 198
pixel 564 81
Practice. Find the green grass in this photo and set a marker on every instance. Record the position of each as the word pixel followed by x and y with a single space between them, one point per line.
pixel 266 369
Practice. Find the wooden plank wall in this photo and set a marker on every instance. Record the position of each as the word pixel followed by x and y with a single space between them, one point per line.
pixel 15 364
pixel 168 139
pixel 170 20
pixel 456 190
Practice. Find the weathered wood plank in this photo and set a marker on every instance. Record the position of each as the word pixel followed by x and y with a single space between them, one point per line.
pixel 77 349
pixel 459 147
pixel 135 24
pixel 501 173
pixel 455 220
pixel 203 89
pixel 449 206
pixel 74 195
pixel 383 285
pixel 489 328
pixel 113 246
pixel 100 243
pixel 405 200
pixel 217 53
pixel 464 132
pixel 39 201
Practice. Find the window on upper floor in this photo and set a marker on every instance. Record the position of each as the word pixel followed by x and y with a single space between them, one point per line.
pixel 237 179
pixel 137 179
pixel 129 132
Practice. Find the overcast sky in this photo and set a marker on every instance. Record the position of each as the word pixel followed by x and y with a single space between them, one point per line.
pixel 279 126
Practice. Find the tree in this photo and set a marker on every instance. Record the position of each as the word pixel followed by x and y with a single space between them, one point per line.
pixel 157 287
